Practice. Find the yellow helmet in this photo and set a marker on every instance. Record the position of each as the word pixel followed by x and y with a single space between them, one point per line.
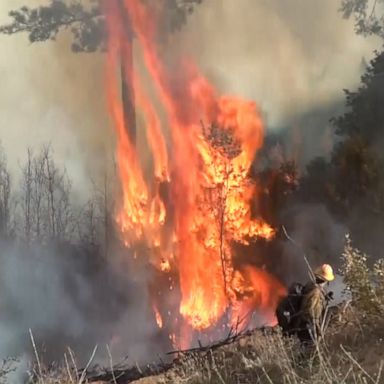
pixel 325 272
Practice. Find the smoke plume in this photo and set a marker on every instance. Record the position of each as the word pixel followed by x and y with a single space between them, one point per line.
pixel 71 298
pixel 293 58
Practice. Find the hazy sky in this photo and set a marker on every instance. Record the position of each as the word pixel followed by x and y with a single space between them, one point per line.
pixel 289 56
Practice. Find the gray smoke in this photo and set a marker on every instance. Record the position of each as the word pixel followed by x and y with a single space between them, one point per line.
pixel 51 95
pixel 69 298
pixel 293 58
pixel 290 57
pixel 317 236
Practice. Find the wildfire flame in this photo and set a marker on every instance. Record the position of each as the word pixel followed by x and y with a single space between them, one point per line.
pixel 159 319
pixel 206 166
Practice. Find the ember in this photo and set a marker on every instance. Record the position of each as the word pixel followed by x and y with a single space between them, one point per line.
pixel 207 180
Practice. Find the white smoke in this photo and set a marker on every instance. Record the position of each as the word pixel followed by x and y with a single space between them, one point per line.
pixel 287 56
pixel 290 57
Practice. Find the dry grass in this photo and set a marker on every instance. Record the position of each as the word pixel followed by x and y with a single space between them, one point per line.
pixel 345 356
pixel 352 350
pixel 273 358
pixel 7 366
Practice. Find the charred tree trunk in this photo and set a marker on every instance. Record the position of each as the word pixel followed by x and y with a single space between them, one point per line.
pixel 127 90
pixel 128 96
pixel 106 219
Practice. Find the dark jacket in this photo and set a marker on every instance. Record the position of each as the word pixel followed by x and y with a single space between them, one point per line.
pixel 289 307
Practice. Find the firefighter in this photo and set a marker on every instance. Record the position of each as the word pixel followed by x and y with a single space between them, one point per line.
pixel 288 308
pixel 313 304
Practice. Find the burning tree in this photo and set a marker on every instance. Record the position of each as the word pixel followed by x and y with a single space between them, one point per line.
pixel 227 148
pixel 207 174
pixel 190 229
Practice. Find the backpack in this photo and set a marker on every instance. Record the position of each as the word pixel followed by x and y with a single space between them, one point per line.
pixel 289 306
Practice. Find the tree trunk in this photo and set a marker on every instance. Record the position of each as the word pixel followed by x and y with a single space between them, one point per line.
pixel 106 219
pixel 28 195
pixel 127 90
pixel 128 98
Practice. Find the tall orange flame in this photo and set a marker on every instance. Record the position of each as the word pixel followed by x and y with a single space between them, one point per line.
pixel 206 173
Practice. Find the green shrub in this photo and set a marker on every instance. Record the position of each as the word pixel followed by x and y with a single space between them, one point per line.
pixel 365 285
